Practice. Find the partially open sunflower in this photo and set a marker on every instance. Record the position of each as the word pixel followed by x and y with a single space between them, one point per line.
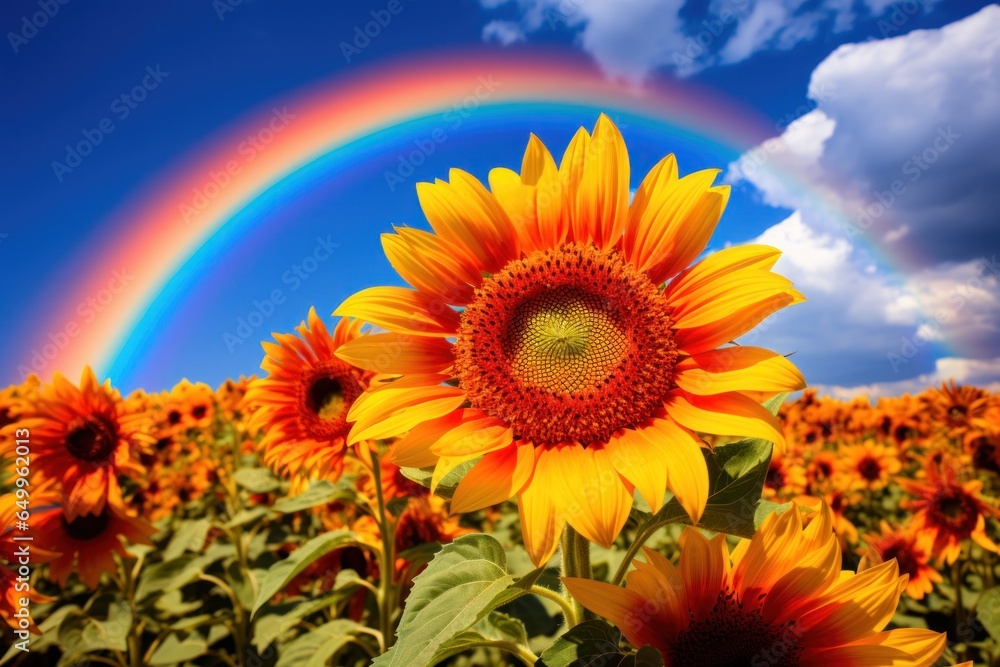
pixel 584 353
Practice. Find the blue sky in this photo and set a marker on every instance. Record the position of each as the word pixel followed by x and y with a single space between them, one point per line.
pixel 877 83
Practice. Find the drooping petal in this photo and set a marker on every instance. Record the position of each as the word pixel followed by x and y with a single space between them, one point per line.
pixel 738 368
pixel 641 462
pixel 541 521
pixel 725 414
pixel 593 497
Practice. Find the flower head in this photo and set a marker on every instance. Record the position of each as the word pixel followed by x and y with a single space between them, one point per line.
pixel 588 352
pixel 301 406
pixel 779 599
pixel 83 437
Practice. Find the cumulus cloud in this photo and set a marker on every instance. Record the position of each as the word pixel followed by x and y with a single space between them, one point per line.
pixel 906 132
pixel 905 137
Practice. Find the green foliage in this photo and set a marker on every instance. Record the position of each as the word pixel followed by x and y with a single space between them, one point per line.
pixel 596 643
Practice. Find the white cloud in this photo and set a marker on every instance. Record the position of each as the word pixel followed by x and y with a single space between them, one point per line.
pixel 978 372
pixel 503 32
pixel 906 137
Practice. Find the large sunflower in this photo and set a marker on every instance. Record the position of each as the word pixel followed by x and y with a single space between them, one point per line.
pixel 301 406
pixel 587 352
pixel 779 599
pixel 84 437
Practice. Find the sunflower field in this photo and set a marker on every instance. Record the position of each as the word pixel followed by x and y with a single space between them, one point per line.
pixel 548 450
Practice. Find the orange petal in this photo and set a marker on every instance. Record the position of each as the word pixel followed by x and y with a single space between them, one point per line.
pixel 499 476
pixel 393 409
pixel 729 414
pixel 643 463
pixel 704 570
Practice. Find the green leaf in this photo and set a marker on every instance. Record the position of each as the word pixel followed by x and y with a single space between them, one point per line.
pixel 256 480
pixel 447 486
pixel 173 651
pixel 189 537
pixel 316 647
pixel 170 575
pixel 242 584
pixel 281 573
pixel 496 627
pixel 988 612
pixel 596 643
pixel 282 618
pixel 243 517
pixel 318 493
pixel 49 636
pixel 736 474
pixel 455 592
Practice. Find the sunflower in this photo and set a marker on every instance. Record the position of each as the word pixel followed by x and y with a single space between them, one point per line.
pixel 821 470
pixel 190 406
pixel 84 437
pixel 869 465
pixel 958 407
pixel 785 478
pixel 301 406
pixel 10 561
pixel 983 450
pixel 949 511
pixel 587 352
pixel 779 599
pixel 87 544
pixel 912 551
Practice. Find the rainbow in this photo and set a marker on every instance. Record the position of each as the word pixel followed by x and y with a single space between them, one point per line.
pixel 154 235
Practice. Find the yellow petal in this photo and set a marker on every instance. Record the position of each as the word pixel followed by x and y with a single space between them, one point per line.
pixel 432 265
pixel 738 368
pixel 601 196
pixel 393 409
pixel 541 522
pixel 402 310
pixel 594 499
pixel 641 462
pixel 725 414
pixel 396 353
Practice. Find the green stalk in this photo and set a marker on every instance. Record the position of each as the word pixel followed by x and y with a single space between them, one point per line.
pixel 387 559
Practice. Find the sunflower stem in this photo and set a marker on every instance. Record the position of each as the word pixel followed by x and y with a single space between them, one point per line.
pixel 387 557
pixel 956 580
pixel 575 564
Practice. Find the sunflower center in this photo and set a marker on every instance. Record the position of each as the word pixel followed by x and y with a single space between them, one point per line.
pixel 91 441
pixel 908 562
pixel 869 468
pixel 732 636
pixel 568 344
pixel 955 511
pixel 326 395
pixel 87 527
